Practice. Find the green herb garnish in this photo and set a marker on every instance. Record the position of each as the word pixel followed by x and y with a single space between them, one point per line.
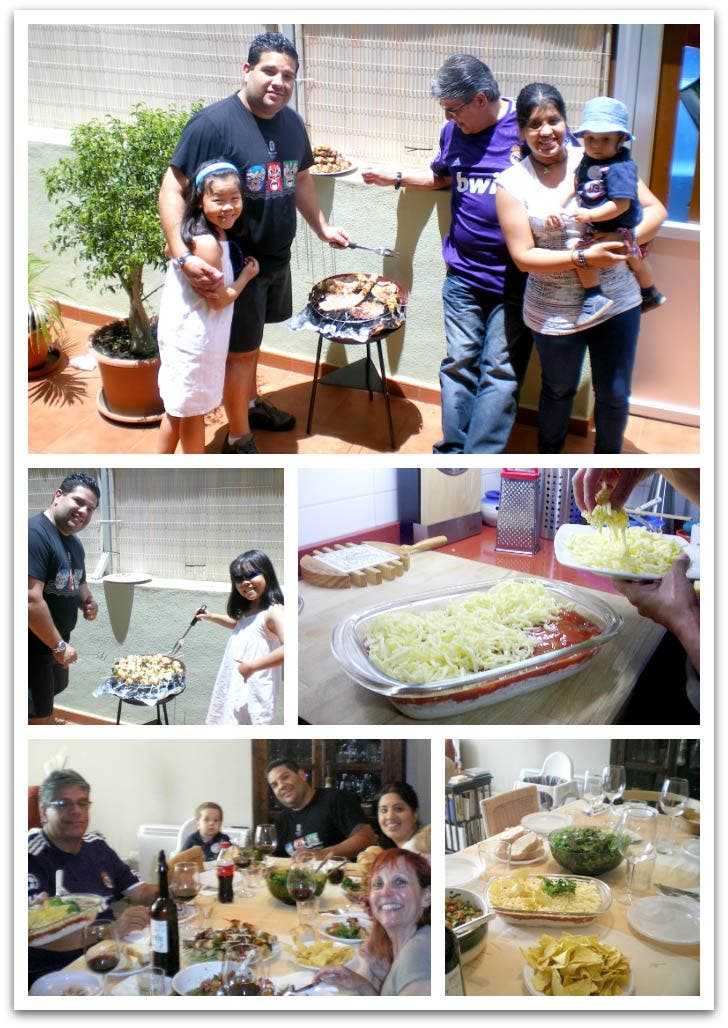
pixel 557 886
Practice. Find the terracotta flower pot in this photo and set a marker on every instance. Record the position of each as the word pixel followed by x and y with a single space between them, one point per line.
pixel 129 390
pixel 37 350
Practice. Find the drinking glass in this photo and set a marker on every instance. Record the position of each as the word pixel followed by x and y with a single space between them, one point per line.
pixel 240 970
pixel 101 948
pixel 184 885
pixel 254 876
pixel 636 839
pixel 301 886
pixel 592 793
pixel 266 840
pixel 673 801
pixel 150 982
pixel 614 780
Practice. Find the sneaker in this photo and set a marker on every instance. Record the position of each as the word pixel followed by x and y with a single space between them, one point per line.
pixel 653 300
pixel 244 445
pixel 264 415
pixel 592 308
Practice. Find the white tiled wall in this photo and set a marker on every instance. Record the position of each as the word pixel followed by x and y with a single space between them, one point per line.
pixel 332 504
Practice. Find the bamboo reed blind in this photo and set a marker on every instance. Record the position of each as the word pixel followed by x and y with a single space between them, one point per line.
pixel 364 89
pixel 180 523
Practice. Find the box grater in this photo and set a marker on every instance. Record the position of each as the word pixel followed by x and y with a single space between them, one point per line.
pixel 558 503
pixel 519 512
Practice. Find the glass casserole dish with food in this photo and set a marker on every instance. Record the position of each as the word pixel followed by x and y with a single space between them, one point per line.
pixel 491 661
pixel 548 900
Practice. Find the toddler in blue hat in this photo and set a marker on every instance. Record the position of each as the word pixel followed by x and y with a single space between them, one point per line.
pixel 605 184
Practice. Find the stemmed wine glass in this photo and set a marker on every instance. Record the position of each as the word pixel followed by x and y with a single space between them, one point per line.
pixel 240 970
pixel 636 839
pixel 592 793
pixel 185 885
pixel 301 885
pixel 614 780
pixel 101 948
pixel 673 801
pixel 266 840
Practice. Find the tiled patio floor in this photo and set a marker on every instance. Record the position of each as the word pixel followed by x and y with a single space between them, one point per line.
pixel 63 418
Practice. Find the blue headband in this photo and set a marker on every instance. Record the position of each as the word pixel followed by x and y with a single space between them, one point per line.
pixel 220 166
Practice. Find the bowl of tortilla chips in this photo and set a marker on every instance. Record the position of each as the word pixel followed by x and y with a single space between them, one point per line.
pixel 576 965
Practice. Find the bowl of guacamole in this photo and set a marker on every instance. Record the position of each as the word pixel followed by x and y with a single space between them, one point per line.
pixel 585 851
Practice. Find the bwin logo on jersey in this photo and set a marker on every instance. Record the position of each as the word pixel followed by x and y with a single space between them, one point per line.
pixel 463 184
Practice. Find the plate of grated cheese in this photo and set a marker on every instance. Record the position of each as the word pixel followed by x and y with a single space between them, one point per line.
pixel 635 554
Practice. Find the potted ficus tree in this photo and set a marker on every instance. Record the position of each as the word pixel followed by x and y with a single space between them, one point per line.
pixel 45 321
pixel 107 194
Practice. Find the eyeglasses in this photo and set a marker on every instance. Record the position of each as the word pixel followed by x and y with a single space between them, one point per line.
pixel 248 577
pixel 450 112
pixel 69 804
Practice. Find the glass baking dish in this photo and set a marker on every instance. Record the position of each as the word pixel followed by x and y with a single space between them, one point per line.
pixel 553 918
pixel 427 700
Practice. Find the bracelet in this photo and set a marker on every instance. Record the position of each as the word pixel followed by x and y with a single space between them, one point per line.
pixel 581 259
pixel 398 180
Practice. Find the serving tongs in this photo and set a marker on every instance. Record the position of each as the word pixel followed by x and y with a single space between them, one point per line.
pixel 383 251
pixel 178 645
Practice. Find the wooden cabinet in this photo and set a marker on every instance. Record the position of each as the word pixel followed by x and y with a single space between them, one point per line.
pixel 648 762
pixel 360 765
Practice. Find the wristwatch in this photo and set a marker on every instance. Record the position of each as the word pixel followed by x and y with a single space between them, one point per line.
pixel 179 261
pixel 60 647
pixel 398 180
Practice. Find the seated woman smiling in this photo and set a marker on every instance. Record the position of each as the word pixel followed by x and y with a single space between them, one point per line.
pixel 398 817
pixel 395 959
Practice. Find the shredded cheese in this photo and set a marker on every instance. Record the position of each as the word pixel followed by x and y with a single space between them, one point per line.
pixel 637 551
pixel 604 516
pixel 475 633
pixel 522 891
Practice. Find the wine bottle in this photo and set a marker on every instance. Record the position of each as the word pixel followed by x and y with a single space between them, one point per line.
pixel 165 931
pixel 454 982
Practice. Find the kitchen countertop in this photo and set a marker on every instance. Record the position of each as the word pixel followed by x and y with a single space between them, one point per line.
pixel 593 695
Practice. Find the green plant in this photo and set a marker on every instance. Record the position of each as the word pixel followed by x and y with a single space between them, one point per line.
pixel 45 321
pixel 108 192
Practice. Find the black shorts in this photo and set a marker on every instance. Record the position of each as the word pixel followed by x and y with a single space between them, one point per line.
pixel 266 298
pixel 46 678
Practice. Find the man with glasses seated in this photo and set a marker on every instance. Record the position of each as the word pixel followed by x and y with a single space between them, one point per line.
pixel 488 346
pixel 88 865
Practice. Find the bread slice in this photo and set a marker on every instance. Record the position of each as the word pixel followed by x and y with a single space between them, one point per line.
pixel 528 847
pixel 512 834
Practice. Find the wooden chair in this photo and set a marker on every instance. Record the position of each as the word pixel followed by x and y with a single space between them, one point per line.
pixel 506 809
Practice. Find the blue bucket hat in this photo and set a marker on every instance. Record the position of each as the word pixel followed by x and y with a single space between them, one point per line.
pixel 603 114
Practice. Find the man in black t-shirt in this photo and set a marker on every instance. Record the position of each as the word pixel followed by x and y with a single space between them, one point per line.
pixel 255 130
pixel 57 590
pixel 316 819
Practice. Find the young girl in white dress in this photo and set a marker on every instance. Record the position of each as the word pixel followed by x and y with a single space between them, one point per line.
pixel 193 333
pixel 248 682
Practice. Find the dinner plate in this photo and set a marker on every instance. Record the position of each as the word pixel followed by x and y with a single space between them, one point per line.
pixel 67 983
pixel 545 821
pixel 522 863
pixel 459 870
pixel 671 919
pixel 301 978
pixel 333 174
pixel 565 533
pixel 208 879
pixel 327 920
pixel 529 973
pixel 692 848
pixel 337 943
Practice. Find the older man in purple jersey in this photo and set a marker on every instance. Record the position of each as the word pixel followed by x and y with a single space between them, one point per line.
pixel 488 346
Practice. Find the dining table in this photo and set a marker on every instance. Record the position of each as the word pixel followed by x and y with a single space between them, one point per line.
pixel 260 909
pixel 593 695
pixel 659 967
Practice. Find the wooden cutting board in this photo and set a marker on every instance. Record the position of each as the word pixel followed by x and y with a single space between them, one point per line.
pixel 361 564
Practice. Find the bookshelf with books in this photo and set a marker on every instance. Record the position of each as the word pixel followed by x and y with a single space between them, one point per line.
pixel 463 823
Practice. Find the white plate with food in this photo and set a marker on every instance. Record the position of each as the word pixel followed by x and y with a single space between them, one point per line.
pixel 521 863
pixel 459 870
pixel 692 848
pixel 352 929
pixel 320 953
pixel 674 920
pixel 544 821
pixel 529 974
pixel 328 161
pixel 648 555
pixel 67 983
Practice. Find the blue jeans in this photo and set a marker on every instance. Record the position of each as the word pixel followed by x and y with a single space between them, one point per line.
pixel 612 346
pixel 478 385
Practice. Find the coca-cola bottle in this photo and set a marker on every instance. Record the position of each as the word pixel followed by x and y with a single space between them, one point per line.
pixel 225 872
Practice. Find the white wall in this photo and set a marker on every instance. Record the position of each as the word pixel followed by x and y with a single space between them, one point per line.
pixel 152 782
pixel 505 757
pixel 333 504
